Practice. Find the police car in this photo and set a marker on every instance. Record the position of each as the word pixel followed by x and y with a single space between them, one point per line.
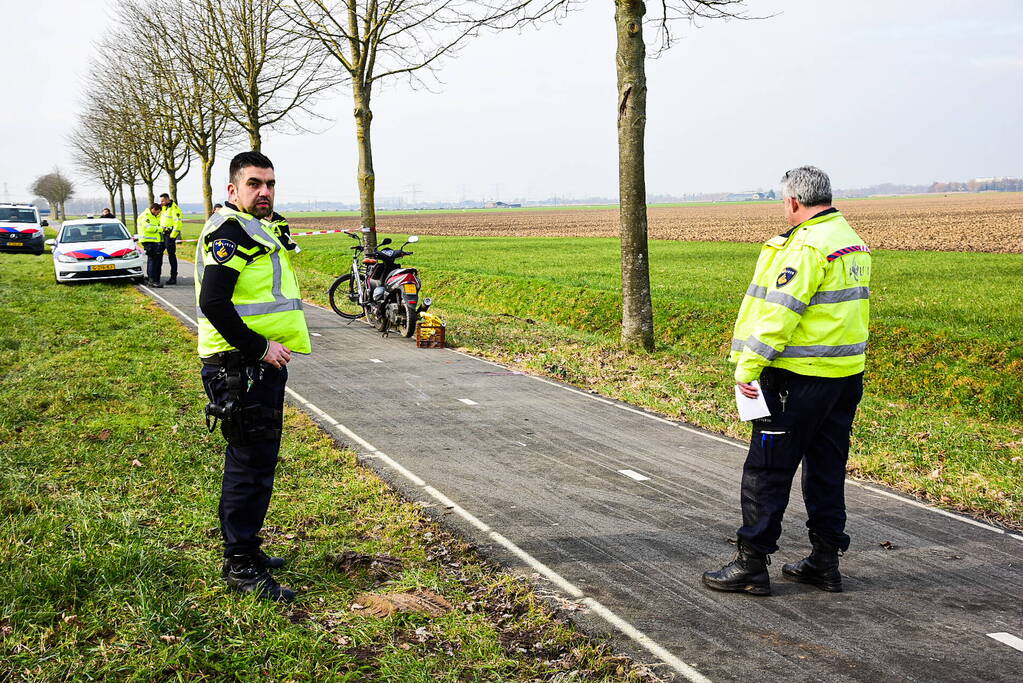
pixel 95 249
pixel 21 229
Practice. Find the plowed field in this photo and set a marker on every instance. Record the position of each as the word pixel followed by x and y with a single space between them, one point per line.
pixel 990 222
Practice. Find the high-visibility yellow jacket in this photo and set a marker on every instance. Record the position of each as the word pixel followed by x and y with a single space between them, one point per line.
pixel 808 306
pixel 148 226
pixel 170 219
pixel 266 296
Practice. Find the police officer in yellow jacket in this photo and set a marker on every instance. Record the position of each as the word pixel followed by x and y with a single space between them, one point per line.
pixel 250 322
pixel 151 239
pixel 171 223
pixel 802 332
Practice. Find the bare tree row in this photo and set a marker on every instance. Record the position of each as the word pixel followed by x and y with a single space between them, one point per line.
pixel 181 79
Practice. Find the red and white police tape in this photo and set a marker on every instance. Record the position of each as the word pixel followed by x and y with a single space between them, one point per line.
pixel 300 234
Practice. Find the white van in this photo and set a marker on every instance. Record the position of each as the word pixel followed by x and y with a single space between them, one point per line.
pixel 20 229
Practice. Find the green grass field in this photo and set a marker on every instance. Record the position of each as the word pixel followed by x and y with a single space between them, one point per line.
pixel 942 415
pixel 108 543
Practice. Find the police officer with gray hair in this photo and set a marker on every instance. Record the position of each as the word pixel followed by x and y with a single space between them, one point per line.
pixel 802 333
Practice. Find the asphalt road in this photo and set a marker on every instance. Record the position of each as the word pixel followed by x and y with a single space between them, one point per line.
pixel 617 512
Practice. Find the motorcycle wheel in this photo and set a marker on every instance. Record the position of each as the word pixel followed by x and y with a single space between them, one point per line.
pixel 382 323
pixel 344 298
pixel 408 324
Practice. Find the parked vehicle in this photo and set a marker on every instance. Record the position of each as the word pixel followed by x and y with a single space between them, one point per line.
pixel 379 288
pixel 21 230
pixel 95 249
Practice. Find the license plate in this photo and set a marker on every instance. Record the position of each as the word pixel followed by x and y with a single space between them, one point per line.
pixel 105 266
pixel 410 288
pixel 15 244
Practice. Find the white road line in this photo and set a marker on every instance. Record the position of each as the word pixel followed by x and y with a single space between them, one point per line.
pixel 632 474
pixel 468 401
pixel 1009 639
pixel 375 360
pixel 316 334
pixel 168 304
pixel 554 577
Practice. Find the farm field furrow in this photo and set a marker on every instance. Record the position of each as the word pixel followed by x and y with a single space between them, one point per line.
pixel 989 222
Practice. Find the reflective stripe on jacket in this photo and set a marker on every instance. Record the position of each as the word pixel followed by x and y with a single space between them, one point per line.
pixel 266 296
pixel 170 219
pixel 148 226
pixel 808 306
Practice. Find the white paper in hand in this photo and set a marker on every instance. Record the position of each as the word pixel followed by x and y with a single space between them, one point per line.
pixel 751 408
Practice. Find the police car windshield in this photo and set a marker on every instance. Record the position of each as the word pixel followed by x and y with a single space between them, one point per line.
pixel 10 214
pixel 96 232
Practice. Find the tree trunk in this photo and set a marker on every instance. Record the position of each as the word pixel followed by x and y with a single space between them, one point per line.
pixel 255 139
pixel 120 193
pixel 134 207
pixel 113 203
pixel 172 186
pixel 207 185
pixel 150 192
pixel 637 308
pixel 367 179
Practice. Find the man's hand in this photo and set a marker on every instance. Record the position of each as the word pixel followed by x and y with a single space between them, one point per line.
pixel 277 354
pixel 748 390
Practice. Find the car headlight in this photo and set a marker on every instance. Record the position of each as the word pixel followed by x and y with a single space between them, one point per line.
pixel 64 258
pixel 131 254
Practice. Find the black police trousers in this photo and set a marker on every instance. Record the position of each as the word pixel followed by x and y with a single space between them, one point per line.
pixel 154 260
pixel 248 470
pixel 811 421
pixel 171 246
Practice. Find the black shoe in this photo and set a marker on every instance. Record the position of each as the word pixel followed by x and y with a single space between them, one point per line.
pixel 747 573
pixel 156 285
pixel 819 568
pixel 270 562
pixel 246 574
pixel 172 281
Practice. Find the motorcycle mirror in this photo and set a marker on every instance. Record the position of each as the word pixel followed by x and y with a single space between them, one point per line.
pixel 386 240
pixel 412 239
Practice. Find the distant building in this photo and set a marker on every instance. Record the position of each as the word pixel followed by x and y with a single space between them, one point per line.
pixel 749 196
pixel 501 205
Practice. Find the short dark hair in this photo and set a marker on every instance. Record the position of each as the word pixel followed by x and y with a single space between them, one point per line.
pixel 245 159
pixel 218 206
pixel 164 195
pixel 155 207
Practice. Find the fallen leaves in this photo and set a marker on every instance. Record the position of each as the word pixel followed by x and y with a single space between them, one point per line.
pixel 419 601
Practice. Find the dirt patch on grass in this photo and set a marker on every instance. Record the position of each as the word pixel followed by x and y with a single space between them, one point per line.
pixel 991 222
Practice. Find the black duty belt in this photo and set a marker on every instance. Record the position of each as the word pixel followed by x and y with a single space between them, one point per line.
pixel 225 359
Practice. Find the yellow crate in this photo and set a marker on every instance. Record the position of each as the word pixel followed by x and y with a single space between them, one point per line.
pixel 430 332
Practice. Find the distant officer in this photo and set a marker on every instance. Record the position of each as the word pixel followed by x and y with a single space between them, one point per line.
pixel 217 208
pixel 802 331
pixel 148 226
pixel 170 223
pixel 250 322
pixel 107 213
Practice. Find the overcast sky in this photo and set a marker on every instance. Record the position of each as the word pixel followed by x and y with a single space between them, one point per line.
pixel 872 91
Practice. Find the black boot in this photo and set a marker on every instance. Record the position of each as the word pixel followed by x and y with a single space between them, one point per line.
pixel 746 573
pixel 172 281
pixel 271 562
pixel 819 568
pixel 246 573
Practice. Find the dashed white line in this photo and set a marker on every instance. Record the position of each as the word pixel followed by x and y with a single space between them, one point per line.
pixel 1009 639
pixel 632 474
pixel 375 360
pixel 316 334
pixel 468 401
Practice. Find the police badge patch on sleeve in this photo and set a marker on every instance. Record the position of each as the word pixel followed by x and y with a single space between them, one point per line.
pixel 223 250
pixel 785 277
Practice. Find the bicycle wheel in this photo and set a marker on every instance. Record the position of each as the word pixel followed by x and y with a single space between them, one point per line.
pixel 344 298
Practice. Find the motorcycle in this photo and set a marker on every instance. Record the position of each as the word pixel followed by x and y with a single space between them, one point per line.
pixel 378 288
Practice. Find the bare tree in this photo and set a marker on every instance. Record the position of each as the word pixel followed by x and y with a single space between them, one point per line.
pixel 270 74
pixel 56 189
pixel 179 68
pixel 93 158
pixel 376 40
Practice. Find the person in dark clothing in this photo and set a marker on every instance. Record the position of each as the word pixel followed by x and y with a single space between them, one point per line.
pixel 251 321
pixel 107 213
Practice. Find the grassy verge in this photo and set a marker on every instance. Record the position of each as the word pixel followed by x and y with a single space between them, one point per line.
pixel 942 415
pixel 108 547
